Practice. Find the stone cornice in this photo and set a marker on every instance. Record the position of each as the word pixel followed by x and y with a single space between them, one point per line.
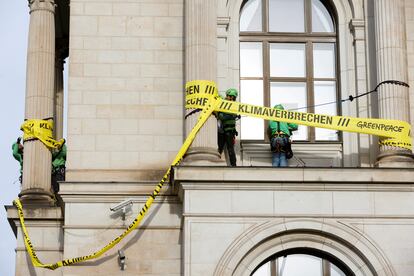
pixel 98 192
pixel 38 216
pixel 295 176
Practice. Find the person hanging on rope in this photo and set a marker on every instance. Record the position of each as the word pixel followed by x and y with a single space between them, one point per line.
pixel 58 166
pixel 279 135
pixel 227 129
pixel 17 148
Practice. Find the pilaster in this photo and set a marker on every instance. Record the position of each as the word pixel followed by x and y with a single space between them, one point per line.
pixel 391 56
pixel 36 183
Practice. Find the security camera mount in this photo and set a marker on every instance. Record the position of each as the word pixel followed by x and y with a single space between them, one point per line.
pixel 121 259
pixel 123 206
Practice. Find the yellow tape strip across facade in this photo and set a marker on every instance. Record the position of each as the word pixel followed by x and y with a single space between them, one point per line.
pixel 42 130
pixel 392 132
pixel 210 107
pixel 203 94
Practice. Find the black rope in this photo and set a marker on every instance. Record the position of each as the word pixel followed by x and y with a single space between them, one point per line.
pixel 351 98
pixel 192 112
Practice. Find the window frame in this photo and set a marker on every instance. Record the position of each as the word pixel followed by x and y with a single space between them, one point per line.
pixel 308 38
pixel 327 260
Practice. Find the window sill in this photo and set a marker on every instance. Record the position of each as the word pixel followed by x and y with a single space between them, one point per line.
pixel 305 155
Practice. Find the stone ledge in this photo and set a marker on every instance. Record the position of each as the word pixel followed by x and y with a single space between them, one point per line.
pixel 240 176
pixel 40 216
pixel 112 188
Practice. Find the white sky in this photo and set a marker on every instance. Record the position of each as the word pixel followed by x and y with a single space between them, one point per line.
pixel 14 27
pixel 14 23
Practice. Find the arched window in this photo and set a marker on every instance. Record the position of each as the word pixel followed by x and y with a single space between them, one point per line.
pixel 288 55
pixel 299 262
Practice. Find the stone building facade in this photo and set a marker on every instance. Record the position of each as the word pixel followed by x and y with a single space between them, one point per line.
pixel 344 206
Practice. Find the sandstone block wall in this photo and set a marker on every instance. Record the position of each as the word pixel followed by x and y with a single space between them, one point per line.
pixel 125 100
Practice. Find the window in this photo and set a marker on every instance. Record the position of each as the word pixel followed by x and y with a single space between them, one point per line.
pixel 288 56
pixel 299 264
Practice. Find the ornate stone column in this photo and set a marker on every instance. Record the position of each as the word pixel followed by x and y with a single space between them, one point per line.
pixel 201 63
pixel 59 97
pixel 36 186
pixel 392 65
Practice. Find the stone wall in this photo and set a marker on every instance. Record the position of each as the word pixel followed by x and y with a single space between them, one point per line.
pixel 234 220
pixel 154 248
pixel 125 113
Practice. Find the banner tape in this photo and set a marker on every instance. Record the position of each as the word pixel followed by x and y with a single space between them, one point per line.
pixel 203 94
pixel 391 132
pixel 42 130
pixel 187 143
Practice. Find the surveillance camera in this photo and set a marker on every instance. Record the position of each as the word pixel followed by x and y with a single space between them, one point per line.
pixel 122 205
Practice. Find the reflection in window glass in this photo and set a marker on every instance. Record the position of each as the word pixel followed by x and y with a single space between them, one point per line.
pixel 299 265
pixel 321 19
pixel 291 95
pixel 324 60
pixel 325 92
pixel 264 270
pixel 251 91
pixel 335 271
pixel 286 16
pixel 251 59
pixel 251 16
pixel 287 60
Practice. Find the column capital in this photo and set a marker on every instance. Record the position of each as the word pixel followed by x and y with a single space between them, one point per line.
pixel 47 5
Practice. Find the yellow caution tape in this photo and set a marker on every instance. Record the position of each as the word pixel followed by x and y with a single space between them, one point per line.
pixel 29 246
pixel 391 132
pixel 42 130
pixel 203 94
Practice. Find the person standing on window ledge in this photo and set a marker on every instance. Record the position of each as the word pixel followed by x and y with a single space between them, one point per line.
pixel 227 129
pixel 279 135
